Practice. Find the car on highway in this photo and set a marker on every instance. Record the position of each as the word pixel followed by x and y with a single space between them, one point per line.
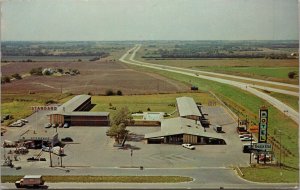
pixel 48 125
pixel 67 139
pixel 189 146
pixel 24 120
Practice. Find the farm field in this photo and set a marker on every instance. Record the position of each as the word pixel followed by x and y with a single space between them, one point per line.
pixel 95 78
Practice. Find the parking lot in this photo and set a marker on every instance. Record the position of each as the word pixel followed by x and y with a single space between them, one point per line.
pixel 92 148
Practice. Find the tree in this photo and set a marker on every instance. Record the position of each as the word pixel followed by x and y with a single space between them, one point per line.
pixel 292 74
pixel 16 76
pixel 109 92
pixel 118 124
pixel 60 70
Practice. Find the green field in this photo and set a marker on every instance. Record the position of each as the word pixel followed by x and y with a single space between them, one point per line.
pixel 135 103
pixel 19 105
pixel 274 72
pixel 292 101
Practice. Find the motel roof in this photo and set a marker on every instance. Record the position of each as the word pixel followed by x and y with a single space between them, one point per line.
pixel 187 106
pixel 176 126
pixel 37 134
pixel 85 113
pixel 74 103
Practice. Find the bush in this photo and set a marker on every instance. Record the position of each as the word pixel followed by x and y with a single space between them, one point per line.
pixel 47 72
pixel 60 70
pixel 5 79
pixel 148 109
pixel 36 71
pixel 119 93
pixel 109 92
pixel 16 76
pixel 292 75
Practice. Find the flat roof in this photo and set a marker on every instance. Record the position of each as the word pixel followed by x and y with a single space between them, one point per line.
pixel 176 126
pixel 32 176
pixel 74 103
pixel 187 106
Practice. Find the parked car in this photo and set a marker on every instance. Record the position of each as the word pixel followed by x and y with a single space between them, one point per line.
pixel 48 125
pixel 54 125
pixel 16 124
pixel 66 125
pixel 67 139
pixel 189 146
pixel 60 125
pixel 246 139
pixel 245 135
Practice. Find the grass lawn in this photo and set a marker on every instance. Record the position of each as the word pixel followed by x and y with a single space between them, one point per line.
pixel 275 72
pixel 19 105
pixel 292 101
pixel 135 103
pixel 105 179
pixel 271 174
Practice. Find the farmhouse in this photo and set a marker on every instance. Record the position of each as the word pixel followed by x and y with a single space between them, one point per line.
pixel 74 112
pixel 181 130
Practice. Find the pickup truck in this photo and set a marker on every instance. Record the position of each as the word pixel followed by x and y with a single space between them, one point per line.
pixel 30 181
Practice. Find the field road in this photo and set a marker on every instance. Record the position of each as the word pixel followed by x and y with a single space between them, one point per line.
pixel 203 177
pixel 285 109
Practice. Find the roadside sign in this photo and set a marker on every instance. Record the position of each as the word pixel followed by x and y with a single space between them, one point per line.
pixel 45 108
pixel 254 129
pixel 263 146
pixel 263 125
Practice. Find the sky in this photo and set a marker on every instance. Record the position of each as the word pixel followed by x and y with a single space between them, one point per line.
pixel 81 20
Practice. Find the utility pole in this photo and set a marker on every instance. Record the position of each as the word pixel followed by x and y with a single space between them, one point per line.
pixel 280 148
pixel 50 148
pixel 250 149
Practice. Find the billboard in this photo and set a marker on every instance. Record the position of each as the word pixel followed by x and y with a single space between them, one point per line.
pixel 263 125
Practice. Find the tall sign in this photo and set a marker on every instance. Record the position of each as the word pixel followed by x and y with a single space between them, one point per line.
pixel 263 125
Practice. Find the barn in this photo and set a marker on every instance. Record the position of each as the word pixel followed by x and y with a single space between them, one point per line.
pixel 75 112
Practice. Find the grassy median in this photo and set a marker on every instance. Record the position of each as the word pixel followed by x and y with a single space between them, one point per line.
pixel 105 179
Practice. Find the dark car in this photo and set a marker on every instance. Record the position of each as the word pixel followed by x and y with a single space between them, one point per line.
pixel 67 139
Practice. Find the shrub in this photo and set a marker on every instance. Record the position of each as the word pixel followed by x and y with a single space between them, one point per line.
pixel 148 109
pixel 5 79
pixel 16 76
pixel 109 92
pixel 60 70
pixel 36 71
pixel 119 93
pixel 292 74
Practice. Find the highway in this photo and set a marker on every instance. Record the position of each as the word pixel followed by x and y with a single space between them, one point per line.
pixel 222 177
pixel 285 109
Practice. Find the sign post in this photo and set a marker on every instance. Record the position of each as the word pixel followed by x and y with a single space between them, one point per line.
pixel 263 125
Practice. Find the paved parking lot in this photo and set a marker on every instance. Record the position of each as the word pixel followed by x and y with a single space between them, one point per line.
pixel 92 148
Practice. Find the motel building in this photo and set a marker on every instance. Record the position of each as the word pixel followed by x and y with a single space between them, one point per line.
pixel 184 129
pixel 75 112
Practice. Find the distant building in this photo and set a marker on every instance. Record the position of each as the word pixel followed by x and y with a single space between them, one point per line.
pixel 39 138
pixel 74 112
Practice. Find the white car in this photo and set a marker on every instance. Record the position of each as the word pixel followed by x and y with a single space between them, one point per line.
pixel 245 135
pixel 246 139
pixel 189 146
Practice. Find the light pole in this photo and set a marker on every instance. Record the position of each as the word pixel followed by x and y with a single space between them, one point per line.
pixel 280 148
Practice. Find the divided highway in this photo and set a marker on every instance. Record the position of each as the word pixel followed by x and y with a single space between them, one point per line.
pixel 285 109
